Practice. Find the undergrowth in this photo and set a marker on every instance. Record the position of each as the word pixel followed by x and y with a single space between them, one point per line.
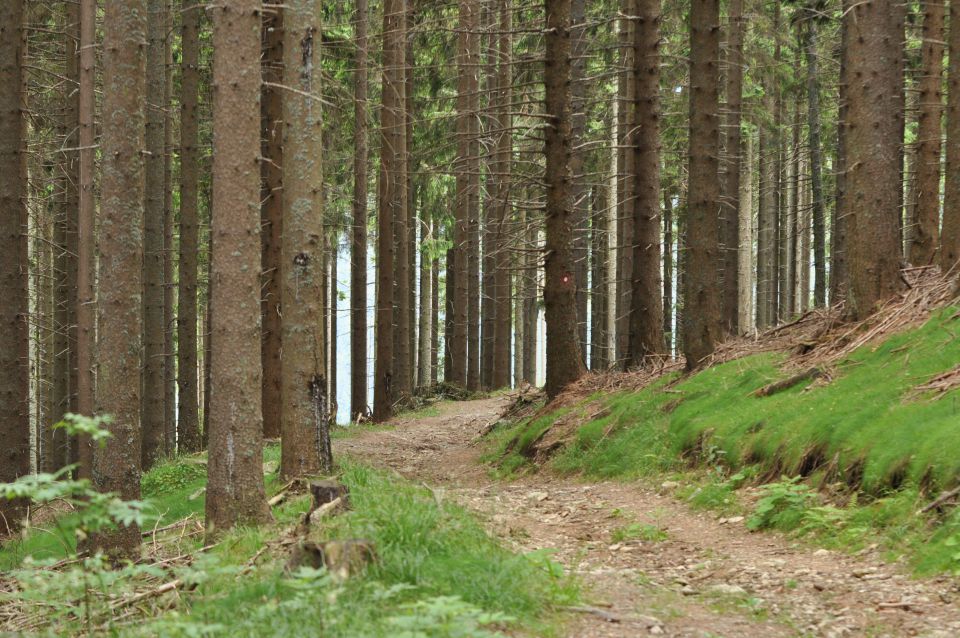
pixel 865 434
pixel 436 573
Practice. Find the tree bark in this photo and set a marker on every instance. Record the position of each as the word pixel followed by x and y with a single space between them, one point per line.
pixel 950 237
pixel 646 310
pixel 701 315
pixel 467 61
pixel 235 490
pixel 599 273
pixel 838 234
pixel 766 229
pixel 86 225
pixel 358 243
pixel 578 161
pixel 731 176
pixel 564 362
pixel 14 262
pixel 116 467
pixel 816 181
pixel 392 200
pixel 625 194
pixel 425 335
pixel 305 404
pixel 271 214
pixel 402 386
pixel 152 411
pixel 668 272
pixel 873 183
pixel 503 288
pixel 188 426
pixel 169 284
pixel 926 232
pixel 746 238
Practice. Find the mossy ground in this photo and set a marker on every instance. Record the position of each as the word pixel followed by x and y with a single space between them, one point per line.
pixel 864 430
pixel 437 573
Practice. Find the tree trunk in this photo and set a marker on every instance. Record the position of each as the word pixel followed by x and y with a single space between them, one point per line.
pixel 803 246
pixel 392 200
pixel 578 194
pixel 235 491
pixel 625 170
pixel 701 312
pixel 646 309
pixel 271 214
pixel 488 166
pixel 467 62
pixel 14 262
pixel 792 215
pixel 767 230
pixel 116 467
pixel 745 240
pixel 873 182
pixel 304 415
pixel 86 241
pixel 950 237
pixel 926 235
pixel 838 234
pixel 410 171
pixel 332 334
pixel 169 284
pixel 188 427
pixel 426 300
pixel 730 213
pixel 435 313
pixel 668 271
pixel 358 243
pixel 599 265
pixel 564 362
pixel 816 182
pixel 402 386
pixel 152 411
pixel 503 287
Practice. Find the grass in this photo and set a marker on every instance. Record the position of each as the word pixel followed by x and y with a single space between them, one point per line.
pixel 864 429
pixel 437 572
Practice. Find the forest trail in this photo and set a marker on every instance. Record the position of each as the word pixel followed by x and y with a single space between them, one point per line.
pixel 705 577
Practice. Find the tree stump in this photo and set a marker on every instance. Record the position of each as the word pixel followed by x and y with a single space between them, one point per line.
pixel 342 558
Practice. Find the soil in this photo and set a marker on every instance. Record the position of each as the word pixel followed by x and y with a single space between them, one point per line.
pixel 700 575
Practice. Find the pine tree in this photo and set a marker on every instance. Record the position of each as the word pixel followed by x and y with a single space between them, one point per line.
pixel 305 404
pixel 235 490
pixel 564 361
pixel 646 311
pixel 116 467
pixel 15 309
pixel 701 315
pixel 873 138
pixel 358 238
pixel 188 426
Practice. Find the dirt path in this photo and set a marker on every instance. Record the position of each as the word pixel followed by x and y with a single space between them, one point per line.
pixel 704 577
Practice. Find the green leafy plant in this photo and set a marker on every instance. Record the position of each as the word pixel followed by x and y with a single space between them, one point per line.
pixel 782 505
pixel 91 511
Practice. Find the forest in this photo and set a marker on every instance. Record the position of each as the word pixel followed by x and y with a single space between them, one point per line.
pixel 476 318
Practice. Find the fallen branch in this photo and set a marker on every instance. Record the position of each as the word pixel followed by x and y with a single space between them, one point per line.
pixel 940 500
pixel 786 384
pixel 157 591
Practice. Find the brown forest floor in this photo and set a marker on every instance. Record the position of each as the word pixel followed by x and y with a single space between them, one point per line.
pixel 709 577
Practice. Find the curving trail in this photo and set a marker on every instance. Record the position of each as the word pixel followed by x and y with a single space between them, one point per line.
pixel 706 577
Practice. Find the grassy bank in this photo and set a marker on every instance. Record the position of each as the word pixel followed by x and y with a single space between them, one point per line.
pixel 437 573
pixel 865 433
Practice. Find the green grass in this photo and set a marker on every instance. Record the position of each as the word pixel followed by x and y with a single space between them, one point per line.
pixel 864 429
pixel 437 572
